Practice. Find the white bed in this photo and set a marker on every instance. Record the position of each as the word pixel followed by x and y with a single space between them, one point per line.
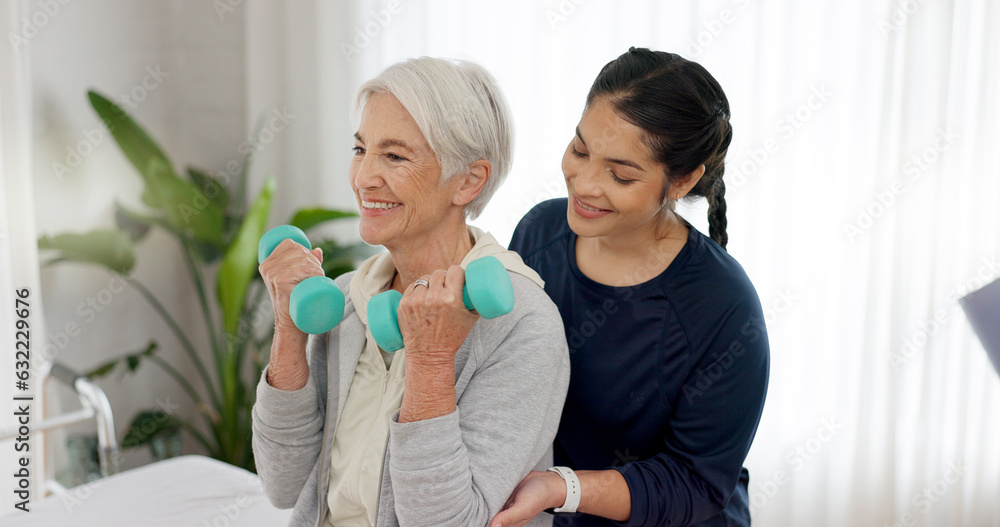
pixel 188 491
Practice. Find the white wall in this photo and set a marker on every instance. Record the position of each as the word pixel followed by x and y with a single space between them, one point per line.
pixel 195 108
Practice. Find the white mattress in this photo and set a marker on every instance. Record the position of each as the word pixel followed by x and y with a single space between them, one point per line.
pixel 188 491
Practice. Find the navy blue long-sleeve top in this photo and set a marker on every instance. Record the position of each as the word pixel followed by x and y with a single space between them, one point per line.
pixel 667 378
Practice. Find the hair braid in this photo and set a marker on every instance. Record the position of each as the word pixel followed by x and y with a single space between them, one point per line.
pixel 717 213
pixel 684 115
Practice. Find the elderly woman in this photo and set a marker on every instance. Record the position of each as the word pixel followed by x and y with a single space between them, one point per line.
pixel 441 431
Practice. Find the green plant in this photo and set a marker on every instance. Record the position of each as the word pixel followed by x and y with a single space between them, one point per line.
pixel 158 430
pixel 217 230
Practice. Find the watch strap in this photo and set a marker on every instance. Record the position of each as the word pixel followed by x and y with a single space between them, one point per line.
pixel 573 489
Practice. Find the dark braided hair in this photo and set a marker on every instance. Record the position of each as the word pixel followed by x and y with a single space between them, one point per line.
pixel 685 117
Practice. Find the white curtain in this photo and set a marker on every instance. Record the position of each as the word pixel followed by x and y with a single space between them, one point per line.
pixel 862 203
pixel 18 255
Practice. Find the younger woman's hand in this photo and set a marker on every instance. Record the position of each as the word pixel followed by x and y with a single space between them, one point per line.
pixel 535 493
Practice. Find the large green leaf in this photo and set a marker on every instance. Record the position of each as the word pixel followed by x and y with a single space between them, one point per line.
pixel 134 224
pixel 131 360
pixel 137 225
pixel 339 259
pixel 306 219
pixel 211 186
pixel 135 143
pixel 187 208
pixel 240 261
pixel 149 424
pixel 220 194
pixel 110 248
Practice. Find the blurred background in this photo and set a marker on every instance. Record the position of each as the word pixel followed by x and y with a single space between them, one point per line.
pixel 862 189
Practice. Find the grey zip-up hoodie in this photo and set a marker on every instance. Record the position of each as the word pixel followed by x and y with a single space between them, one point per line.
pixel 511 376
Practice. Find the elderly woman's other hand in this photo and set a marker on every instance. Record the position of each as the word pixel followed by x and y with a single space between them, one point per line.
pixel 433 319
pixel 434 322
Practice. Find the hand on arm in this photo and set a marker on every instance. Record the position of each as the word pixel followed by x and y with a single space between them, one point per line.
pixel 434 323
pixel 604 493
pixel 289 264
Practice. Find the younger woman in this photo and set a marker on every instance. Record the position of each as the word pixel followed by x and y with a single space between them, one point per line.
pixel 668 350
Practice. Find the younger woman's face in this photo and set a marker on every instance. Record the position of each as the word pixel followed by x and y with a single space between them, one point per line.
pixel 615 186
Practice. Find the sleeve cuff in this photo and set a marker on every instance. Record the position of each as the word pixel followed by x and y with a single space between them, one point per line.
pixel 289 408
pixel 638 502
pixel 411 442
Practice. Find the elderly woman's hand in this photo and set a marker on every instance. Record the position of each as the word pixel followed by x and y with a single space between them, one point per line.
pixel 434 323
pixel 289 264
pixel 433 319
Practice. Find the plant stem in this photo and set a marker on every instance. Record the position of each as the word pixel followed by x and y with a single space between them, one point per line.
pixel 248 315
pixel 200 286
pixel 201 439
pixel 218 349
pixel 177 377
pixel 185 343
pixel 194 396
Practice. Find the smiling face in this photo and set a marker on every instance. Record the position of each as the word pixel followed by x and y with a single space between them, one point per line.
pixel 396 177
pixel 615 186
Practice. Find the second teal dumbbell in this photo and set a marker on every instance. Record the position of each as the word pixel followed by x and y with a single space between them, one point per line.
pixel 487 290
pixel 316 305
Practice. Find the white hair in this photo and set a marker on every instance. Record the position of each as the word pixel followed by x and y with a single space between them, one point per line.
pixel 461 111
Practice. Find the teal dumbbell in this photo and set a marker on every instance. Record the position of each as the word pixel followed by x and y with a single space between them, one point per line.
pixel 316 305
pixel 487 290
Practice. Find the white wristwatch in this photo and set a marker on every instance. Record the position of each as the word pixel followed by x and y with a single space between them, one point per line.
pixel 572 489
